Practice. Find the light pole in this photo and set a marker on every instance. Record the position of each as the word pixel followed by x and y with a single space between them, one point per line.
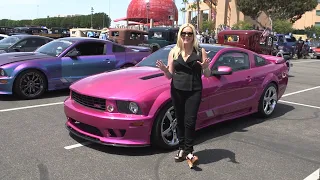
pixel 91 16
pixel 147 7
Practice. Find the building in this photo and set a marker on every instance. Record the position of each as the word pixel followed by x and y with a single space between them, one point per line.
pixel 309 18
pixel 157 12
pixel 223 12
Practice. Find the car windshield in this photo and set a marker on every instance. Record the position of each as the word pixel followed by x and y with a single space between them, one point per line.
pixel 54 48
pixel 162 54
pixel 10 40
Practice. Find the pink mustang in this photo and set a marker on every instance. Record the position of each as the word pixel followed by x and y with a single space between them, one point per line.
pixel 132 106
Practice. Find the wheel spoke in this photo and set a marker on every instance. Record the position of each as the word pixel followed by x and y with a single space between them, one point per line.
pixel 169 116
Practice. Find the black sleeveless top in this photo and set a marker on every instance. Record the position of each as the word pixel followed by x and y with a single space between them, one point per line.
pixel 187 74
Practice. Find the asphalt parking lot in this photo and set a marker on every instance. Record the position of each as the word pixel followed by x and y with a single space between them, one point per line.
pixel 34 143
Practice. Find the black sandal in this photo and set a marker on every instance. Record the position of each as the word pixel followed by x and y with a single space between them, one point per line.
pixel 180 156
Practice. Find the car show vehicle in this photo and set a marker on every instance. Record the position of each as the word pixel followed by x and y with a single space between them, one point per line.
pixel 61 62
pixel 132 107
pixel 22 43
pixel 2 36
pixel 125 36
pixel 255 41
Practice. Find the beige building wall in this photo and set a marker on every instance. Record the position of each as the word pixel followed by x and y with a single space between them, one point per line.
pixel 226 14
pixel 308 19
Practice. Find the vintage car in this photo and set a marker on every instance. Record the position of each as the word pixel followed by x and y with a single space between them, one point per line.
pixel 255 41
pixel 132 106
pixel 127 36
pixel 58 64
pixel 248 39
pixel 22 43
pixel 159 37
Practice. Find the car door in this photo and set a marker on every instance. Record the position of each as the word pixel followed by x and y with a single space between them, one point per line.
pixel 231 94
pixel 92 58
pixel 119 52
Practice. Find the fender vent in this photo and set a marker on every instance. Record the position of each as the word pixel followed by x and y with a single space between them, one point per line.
pixel 152 76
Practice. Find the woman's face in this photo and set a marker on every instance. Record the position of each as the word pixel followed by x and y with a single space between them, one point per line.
pixel 187 35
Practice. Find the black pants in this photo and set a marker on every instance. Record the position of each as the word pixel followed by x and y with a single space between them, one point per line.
pixel 186 105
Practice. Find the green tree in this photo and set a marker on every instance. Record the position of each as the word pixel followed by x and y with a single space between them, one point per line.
pixel 276 9
pixel 100 20
pixel 243 25
pixel 282 26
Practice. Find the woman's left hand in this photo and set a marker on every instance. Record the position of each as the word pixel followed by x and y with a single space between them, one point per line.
pixel 205 63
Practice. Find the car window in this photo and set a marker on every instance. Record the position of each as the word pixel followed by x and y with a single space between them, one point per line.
pixel 117 48
pixel 259 61
pixel 163 53
pixel 91 48
pixel 236 60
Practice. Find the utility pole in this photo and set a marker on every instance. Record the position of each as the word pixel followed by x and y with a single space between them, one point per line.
pixel 91 16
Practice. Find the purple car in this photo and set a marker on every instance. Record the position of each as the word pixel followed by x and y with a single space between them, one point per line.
pixel 59 63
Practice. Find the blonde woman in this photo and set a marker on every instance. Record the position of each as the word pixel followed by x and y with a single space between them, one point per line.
pixel 186 64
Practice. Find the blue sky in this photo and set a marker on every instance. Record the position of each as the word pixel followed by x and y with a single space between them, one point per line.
pixel 30 9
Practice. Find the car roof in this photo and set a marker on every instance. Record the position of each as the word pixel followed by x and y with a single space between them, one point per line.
pixel 81 39
pixel 29 35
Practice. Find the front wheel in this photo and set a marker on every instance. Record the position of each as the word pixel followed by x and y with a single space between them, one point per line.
pixel 30 84
pixel 268 100
pixel 164 132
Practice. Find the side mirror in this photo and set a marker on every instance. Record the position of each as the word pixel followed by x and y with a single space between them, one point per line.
pixel 222 70
pixel 73 54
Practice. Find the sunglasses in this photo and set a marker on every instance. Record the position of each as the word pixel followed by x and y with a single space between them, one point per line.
pixel 183 34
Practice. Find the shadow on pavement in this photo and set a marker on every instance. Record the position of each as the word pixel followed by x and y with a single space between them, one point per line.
pixel 205 135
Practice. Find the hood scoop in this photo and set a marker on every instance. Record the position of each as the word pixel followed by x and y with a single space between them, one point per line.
pixel 152 76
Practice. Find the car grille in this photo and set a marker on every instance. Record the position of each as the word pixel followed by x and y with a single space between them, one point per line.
pixel 89 101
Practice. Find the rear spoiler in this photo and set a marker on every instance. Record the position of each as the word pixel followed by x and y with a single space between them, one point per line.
pixel 139 48
pixel 273 59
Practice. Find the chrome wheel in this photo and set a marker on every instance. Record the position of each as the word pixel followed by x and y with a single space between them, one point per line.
pixel 31 84
pixel 169 128
pixel 270 100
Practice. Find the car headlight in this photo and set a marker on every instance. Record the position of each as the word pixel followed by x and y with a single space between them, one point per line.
pixel 133 107
pixel 2 72
pixel 128 107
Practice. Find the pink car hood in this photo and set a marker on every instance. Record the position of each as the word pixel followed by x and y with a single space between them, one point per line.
pixel 124 83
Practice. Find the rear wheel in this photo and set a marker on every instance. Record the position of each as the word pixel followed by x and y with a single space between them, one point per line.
pixel 164 132
pixel 268 100
pixel 30 84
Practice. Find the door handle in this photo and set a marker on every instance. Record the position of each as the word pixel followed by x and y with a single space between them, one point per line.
pixel 248 79
pixel 107 60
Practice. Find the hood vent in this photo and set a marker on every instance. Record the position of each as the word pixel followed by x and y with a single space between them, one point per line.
pixel 152 76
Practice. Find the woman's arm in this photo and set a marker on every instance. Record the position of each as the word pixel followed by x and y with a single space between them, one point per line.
pixel 206 71
pixel 170 69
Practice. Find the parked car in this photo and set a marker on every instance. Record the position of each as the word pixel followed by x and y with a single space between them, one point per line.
pixel 132 107
pixel 22 43
pixel 58 64
pixel 2 36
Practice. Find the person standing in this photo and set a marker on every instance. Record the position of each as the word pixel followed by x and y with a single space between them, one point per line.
pixel 186 64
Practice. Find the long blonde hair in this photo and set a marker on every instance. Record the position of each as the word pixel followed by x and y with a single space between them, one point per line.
pixel 179 46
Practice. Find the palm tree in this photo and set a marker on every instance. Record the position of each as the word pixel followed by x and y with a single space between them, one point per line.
pixel 184 10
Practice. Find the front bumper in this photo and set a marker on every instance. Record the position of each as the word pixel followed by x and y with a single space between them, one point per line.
pixel 6 84
pixel 105 128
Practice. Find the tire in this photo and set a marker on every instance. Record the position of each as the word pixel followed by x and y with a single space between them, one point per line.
pixel 162 141
pixel 32 78
pixel 271 98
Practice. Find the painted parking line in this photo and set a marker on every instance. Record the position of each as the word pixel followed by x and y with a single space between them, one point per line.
pixel 314 176
pixel 30 107
pixel 297 92
pixel 299 104
pixel 77 145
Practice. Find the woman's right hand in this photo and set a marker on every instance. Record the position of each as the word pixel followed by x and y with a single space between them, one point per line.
pixel 162 66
